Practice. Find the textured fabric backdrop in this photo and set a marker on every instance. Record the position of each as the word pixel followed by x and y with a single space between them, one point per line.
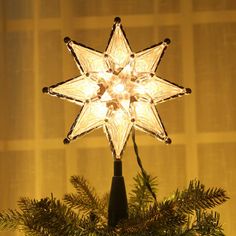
pixel 33 160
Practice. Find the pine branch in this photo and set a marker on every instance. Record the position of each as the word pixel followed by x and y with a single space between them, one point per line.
pixel 208 223
pixel 140 197
pixel 155 220
pixel 48 217
pixel 86 199
pixel 172 216
pixel 10 220
pixel 182 215
pixel 196 197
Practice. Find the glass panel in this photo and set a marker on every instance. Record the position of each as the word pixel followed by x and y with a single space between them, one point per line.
pixel 92 116
pixel 160 90
pixel 147 119
pixel 118 128
pixel 118 48
pixel 79 89
pixel 147 60
pixel 90 60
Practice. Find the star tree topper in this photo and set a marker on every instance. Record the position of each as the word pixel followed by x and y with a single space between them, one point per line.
pixel 117 89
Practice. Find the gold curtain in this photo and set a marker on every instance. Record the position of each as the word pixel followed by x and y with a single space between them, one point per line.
pixel 33 160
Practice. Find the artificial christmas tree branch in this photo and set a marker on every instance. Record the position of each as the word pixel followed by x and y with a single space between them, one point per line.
pixel 85 199
pixel 185 213
pixel 179 215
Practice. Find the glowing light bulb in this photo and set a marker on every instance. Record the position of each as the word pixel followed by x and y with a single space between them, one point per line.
pixel 119 88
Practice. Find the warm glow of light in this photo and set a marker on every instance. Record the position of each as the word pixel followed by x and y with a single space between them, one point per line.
pixel 117 89
pixel 105 75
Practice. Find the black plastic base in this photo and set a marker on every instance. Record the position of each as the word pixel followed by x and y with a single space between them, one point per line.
pixel 118 206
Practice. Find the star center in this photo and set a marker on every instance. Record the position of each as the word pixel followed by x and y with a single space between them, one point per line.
pixel 117 87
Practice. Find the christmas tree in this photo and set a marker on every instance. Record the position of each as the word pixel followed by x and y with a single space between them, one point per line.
pixel 187 212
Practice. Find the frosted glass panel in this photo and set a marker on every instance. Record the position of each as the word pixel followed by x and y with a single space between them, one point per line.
pixel 214 50
pixel 168 6
pixel 19 9
pixel 83 8
pixel 217 167
pixel 140 43
pixel 17 176
pixel 20 85
pixel 223 164
pixel 215 5
pixel 50 8
pixel 166 162
pixel 131 7
pixel 50 71
pixel 2 75
pixel 112 7
pixel 96 165
pixel 54 177
pixel 87 36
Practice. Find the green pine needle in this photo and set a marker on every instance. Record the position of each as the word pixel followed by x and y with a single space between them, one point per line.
pixel 10 220
pixel 140 197
pixel 196 197
pixel 85 214
pixel 48 216
pixel 85 200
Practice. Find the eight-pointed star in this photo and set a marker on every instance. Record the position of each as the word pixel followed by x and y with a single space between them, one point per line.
pixel 117 89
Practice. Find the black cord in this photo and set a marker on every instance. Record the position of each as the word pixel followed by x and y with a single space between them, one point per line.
pixel 144 173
